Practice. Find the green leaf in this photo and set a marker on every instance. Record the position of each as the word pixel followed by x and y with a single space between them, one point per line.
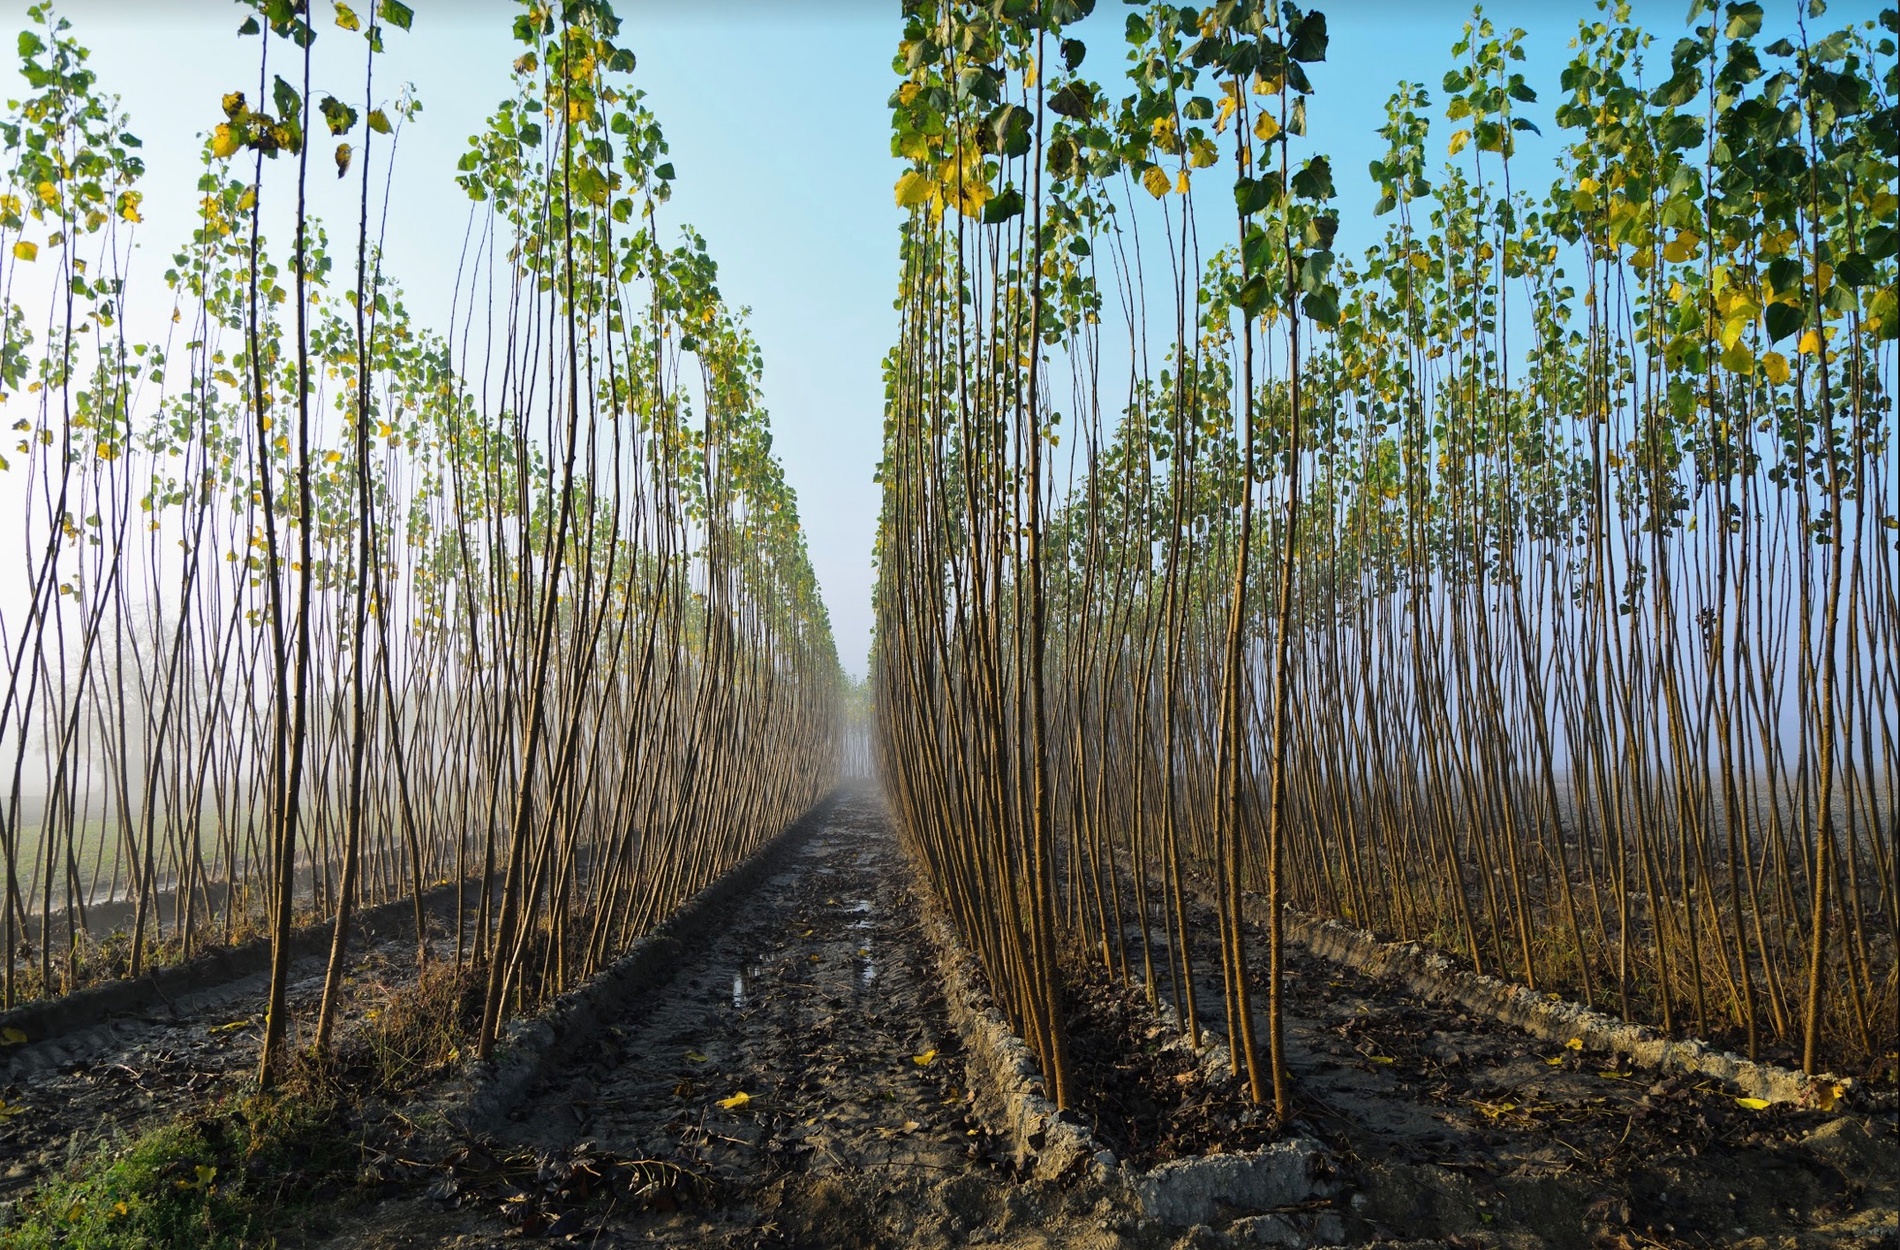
pixel 336 114
pixel 1322 306
pixel 1784 275
pixel 1782 320
pixel 1252 195
pixel 30 44
pixel 1308 41
pixel 1680 130
pixel 289 103
pixel 1073 50
pixel 1253 295
pixel 396 13
pixel 250 26
pixel 1744 20
pixel 1073 100
pixel 1855 270
pixel 379 121
pixel 1003 207
pixel 1315 180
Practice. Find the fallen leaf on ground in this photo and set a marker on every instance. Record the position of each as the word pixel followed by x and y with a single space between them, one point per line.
pixel 735 1102
pixel 1753 1104
pixel 696 1057
pixel 230 1026
pixel 12 1037
pixel 926 1059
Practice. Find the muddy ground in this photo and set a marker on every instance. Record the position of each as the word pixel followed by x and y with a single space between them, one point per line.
pixel 797 1084
pixel 817 1003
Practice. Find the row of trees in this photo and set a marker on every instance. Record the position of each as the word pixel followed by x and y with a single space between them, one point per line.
pixel 1526 586
pixel 323 609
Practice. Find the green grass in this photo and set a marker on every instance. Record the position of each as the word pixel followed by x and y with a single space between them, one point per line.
pixel 226 1175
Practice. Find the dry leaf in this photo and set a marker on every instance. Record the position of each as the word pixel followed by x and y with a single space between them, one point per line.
pixel 926 1059
pixel 696 1057
pixel 1753 1104
pixel 735 1102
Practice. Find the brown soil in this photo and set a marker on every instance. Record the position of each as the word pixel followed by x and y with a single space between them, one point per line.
pixel 817 1000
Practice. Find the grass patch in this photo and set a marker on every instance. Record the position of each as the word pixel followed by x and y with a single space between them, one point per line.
pixel 225 1175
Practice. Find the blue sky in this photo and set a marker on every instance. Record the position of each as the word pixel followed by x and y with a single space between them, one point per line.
pixel 776 117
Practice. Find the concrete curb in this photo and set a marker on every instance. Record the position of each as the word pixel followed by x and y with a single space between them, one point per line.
pixel 1011 1101
pixel 52 1017
pixel 531 1048
pixel 1431 974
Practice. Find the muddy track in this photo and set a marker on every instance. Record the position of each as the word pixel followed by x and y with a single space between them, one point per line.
pixel 815 999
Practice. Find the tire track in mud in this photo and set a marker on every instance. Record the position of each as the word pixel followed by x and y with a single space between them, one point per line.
pixel 817 1001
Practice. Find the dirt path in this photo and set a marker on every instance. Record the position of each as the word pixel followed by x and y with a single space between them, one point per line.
pixel 817 1003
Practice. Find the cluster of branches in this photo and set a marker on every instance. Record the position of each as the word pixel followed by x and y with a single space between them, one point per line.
pixel 1548 619
pixel 325 610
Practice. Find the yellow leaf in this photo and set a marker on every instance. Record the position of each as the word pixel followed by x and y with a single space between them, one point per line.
pixel 8 1112
pixel 1811 343
pixel 1181 183
pixel 1156 180
pixel 1775 365
pixel 224 141
pixel 914 189
pixel 1381 1058
pixel 232 1026
pixel 25 251
pixel 1827 1094
pixel 1266 127
pixel 696 1057
pixel 12 1037
pixel 1554 1060
pixel 347 19
pixel 735 1102
pixel 1680 248
pixel 926 1059
pixel 1459 138
pixel 1753 1104
pixel 1575 1043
